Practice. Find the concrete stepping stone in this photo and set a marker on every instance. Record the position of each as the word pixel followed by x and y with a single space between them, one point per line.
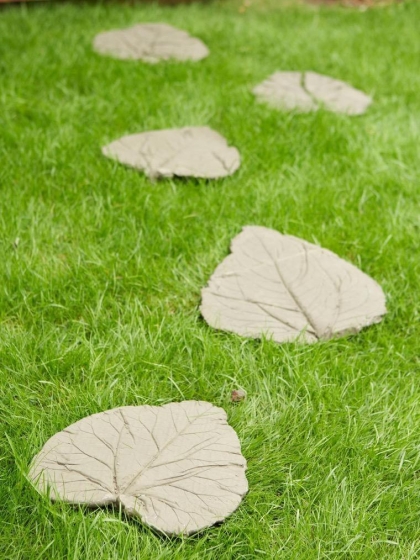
pixel 178 467
pixel 183 152
pixel 308 91
pixel 150 42
pixel 288 289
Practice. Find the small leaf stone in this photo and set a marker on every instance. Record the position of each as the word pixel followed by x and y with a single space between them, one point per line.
pixel 308 91
pixel 150 42
pixel 184 152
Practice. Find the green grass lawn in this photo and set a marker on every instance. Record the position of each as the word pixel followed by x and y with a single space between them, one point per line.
pixel 101 271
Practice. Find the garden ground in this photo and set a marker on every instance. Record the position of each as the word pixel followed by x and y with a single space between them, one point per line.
pixel 102 270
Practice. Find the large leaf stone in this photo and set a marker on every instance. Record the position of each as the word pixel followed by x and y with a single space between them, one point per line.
pixel 287 289
pixel 178 467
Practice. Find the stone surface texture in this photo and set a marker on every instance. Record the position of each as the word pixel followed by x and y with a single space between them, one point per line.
pixel 178 467
pixel 308 91
pixel 150 42
pixel 183 152
pixel 288 289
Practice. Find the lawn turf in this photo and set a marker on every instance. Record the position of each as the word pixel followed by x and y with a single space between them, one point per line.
pixel 101 271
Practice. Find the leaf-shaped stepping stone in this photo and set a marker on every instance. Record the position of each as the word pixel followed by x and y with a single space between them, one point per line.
pixel 308 91
pixel 286 288
pixel 185 152
pixel 178 467
pixel 150 42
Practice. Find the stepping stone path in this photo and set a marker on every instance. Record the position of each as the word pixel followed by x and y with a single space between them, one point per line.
pixel 178 467
pixel 150 42
pixel 288 289
pixel 184 152
pixel 308 91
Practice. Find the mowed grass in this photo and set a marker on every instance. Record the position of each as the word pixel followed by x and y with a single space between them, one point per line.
pixel 101 271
